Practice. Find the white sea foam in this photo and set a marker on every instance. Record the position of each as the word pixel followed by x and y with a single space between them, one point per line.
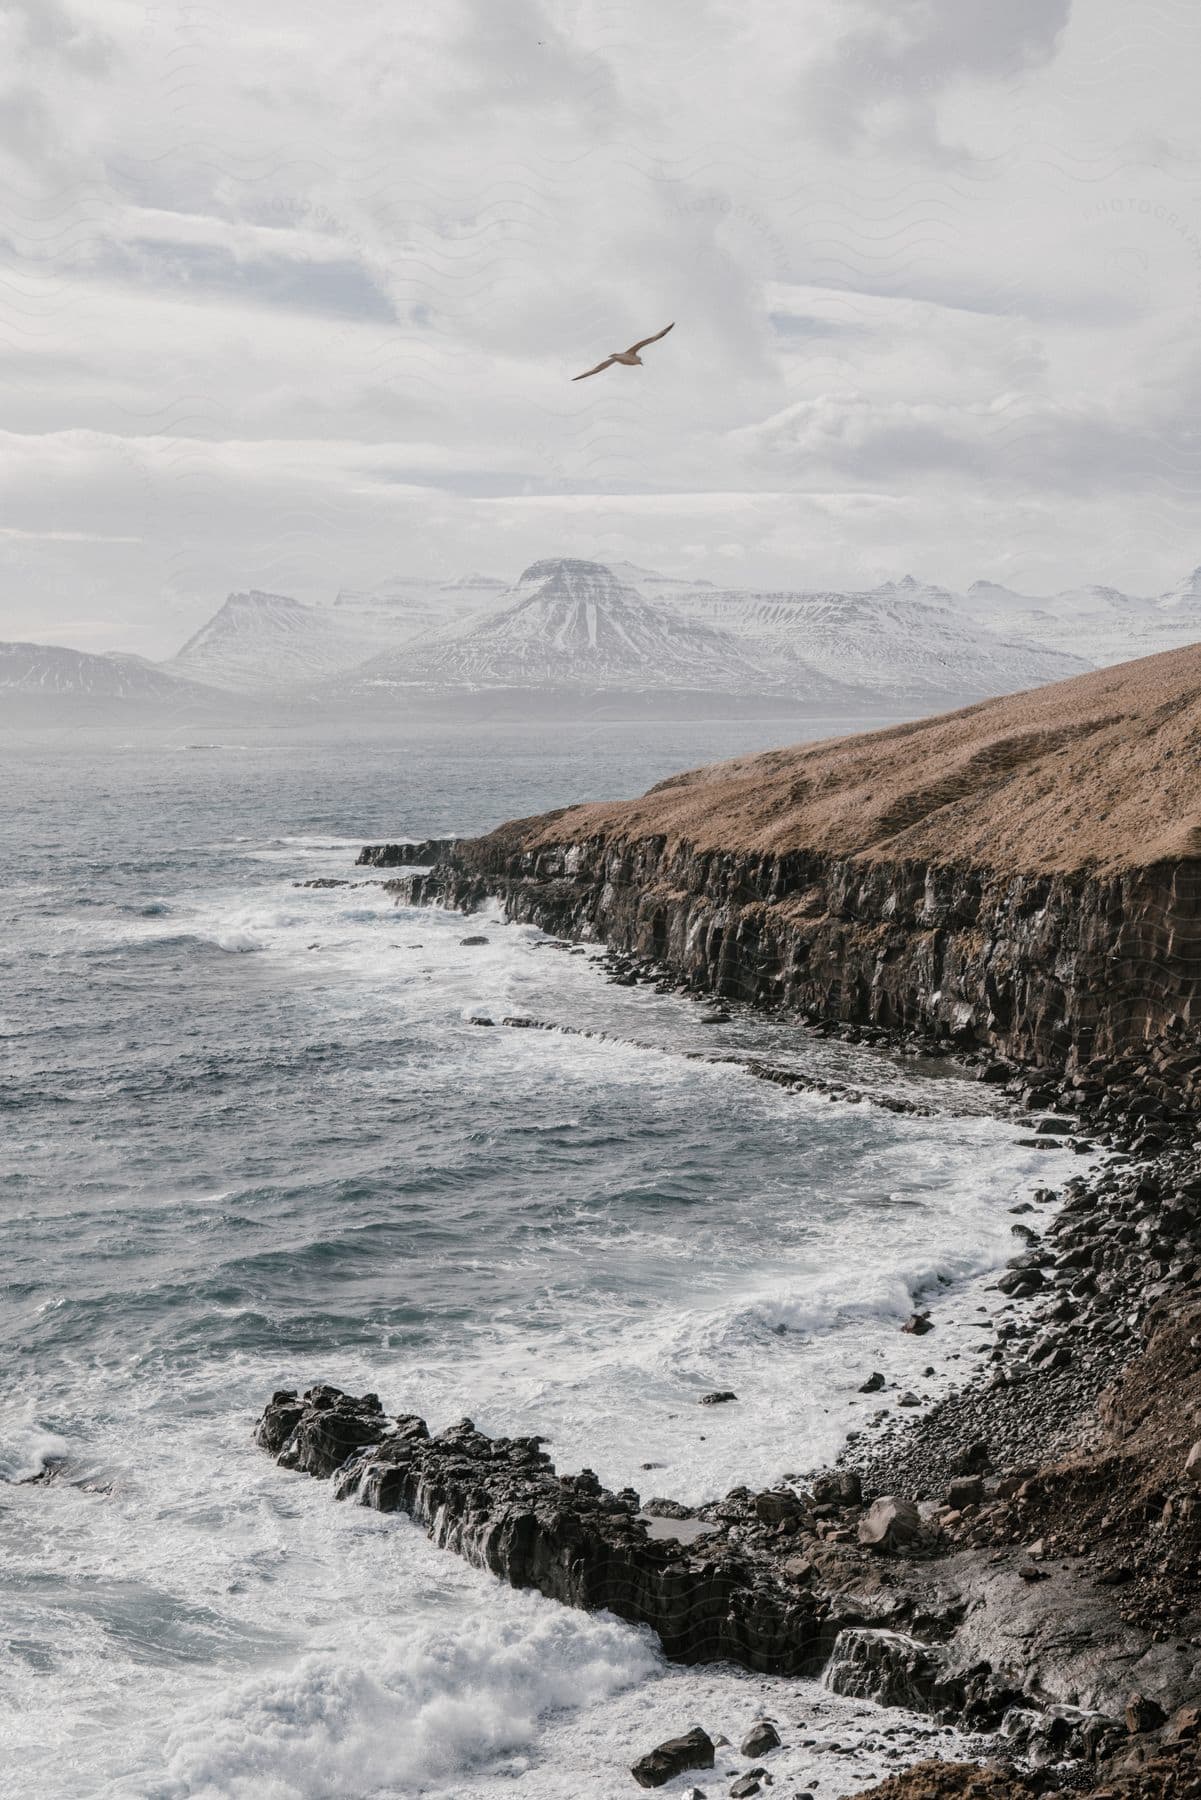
pixel 389 1713
pixel 27 1445
pixel 252 1638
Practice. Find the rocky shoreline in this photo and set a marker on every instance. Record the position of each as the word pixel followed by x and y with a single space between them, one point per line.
pixel 1015 1560
pixel 1024 1557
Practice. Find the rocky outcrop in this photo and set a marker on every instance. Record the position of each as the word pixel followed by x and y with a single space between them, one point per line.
pixel 1096 976
pixel 500 1504
pixel 418 855
pixel 933 1622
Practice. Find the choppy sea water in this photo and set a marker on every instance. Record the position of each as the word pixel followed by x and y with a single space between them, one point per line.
pixel 251 1139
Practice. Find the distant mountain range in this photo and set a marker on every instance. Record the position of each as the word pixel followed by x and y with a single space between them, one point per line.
pixel 572 625
pixel 568 623
pixel 52 669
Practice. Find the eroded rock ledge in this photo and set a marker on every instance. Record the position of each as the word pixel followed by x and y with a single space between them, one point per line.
pixel 814 1577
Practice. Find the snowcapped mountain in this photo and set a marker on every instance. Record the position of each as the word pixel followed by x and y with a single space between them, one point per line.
pixel 1176 615
pixel 573 624
pixel 261 641
pixel 570 623
pixel 904 640
pixel 1102 623
pixel 409 606
pixel 258 641
pixel 52 669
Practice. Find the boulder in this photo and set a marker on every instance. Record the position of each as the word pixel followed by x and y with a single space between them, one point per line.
pixel 887 1668
pixel 837 1487
pixel 279 1420
pixel 873 1384
pixel 662 1764
pixel 1018 1283
pixel 718 1398
pixel 775 1505
pixel 1192 1465
pixel 891 1524
pixel 761 1738
pixel 918 1324
pixel 965 1490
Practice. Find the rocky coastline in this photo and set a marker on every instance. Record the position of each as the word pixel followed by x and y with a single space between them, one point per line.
pixel 1022 1557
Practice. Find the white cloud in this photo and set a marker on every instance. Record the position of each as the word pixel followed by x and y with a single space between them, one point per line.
pixel 293 298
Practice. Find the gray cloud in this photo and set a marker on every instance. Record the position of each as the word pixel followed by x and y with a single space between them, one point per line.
pixel 884 76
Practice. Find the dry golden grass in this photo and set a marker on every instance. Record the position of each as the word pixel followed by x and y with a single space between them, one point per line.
pixel 1102 772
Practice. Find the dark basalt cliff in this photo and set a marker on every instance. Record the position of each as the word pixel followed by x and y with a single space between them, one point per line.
pixel 1024 875
pixel 1057 971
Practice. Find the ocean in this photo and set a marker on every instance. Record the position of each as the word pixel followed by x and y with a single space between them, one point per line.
pixel 252 1140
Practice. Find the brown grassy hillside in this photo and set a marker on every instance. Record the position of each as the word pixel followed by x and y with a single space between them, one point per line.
pixel 1101 772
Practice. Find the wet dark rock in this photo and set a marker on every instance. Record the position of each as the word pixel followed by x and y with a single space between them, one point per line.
pixel 501 1505
pixel 318 1436
pixel 761 1738
pixel 837 1487
pixel 468 942
pixel 422 854
pixel 1017 1283
pixel 918 1324
pixel 976 1459
pixel 692 1751
pixel 718 1398
pixel 748 1784
pixel 887 1667
pixel 873 1384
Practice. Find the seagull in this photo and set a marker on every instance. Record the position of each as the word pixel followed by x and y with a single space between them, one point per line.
pixel 629 357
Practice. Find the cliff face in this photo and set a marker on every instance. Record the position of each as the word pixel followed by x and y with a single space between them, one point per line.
pixel 1058 971
pixel 1022 875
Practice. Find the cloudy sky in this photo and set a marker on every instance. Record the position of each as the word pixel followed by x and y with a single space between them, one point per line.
pixel 292 295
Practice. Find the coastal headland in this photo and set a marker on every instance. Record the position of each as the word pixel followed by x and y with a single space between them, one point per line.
pixel 1017 886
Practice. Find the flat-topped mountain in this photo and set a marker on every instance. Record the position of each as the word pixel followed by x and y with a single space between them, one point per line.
pixel 1100 772
pixel 567 622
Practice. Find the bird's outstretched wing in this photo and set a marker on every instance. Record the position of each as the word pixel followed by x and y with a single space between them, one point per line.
pixel 608 362
pixel 643 342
